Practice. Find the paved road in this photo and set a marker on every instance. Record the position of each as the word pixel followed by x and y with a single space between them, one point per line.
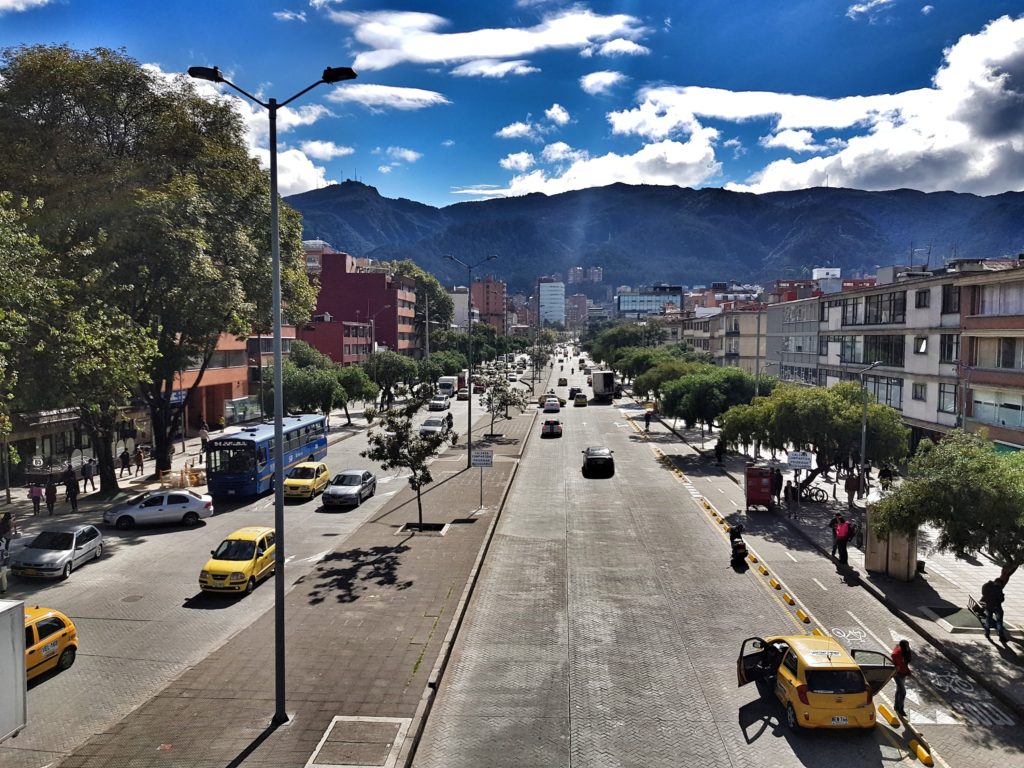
pixel 141 617
pixel 606 624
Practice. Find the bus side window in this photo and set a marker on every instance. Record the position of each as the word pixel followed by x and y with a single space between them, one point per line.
pixel 261 457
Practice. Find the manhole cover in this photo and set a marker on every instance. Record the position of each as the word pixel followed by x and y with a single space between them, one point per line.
pixel 365 742
pixel 131 598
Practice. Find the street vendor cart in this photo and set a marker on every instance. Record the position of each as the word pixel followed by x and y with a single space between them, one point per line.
pixel 758 486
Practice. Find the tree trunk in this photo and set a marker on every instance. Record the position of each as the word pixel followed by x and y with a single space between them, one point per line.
pixel 102 433
pixel 1008 571
pixel 419 507
pixel 345 406
pixel 164 423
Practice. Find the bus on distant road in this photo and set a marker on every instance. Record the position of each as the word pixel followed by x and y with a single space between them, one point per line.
pixel 242 463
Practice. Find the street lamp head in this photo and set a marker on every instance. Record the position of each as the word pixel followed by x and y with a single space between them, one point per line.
pixel 206 73
pixel 338 74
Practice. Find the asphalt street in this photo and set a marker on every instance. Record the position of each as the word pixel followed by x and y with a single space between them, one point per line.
pixel 142 620
pixel 607 621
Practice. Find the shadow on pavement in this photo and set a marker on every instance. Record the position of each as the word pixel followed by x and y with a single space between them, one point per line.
pixel 352 573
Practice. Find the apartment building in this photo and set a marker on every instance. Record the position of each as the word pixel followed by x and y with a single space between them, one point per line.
pixel 737 337
pixel 552 302
pixel 489 297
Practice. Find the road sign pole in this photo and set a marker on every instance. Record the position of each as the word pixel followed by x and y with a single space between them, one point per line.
pixel 481 487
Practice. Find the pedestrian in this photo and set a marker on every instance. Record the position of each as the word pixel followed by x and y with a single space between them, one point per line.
pixel 4 567
pixel 5 530
pixel 35 492
pixel 885 477
pixel 50 496
pixel 777 485
pixel 901 657
pixel 647 422
pixel 139 459
pixel 851 485
pixel 126 462
pixel 449 421
pixel 88 475
pixel 992 596
pixel 791 494
pixel 204 440
pixel 719 451
pixel 842 538
pixel 71 485
pixel 832 525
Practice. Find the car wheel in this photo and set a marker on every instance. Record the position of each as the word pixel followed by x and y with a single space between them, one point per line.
pixel 190 519
pixel 373 490
pixel 67 570
pixel 250 585
pixel 791 719
pixel 67 658
pixel 124 523
pixel 98 552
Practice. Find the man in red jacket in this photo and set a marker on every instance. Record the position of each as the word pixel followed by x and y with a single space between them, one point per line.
pixel 901 658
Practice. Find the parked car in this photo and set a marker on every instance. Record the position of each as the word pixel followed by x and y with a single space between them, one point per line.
pixel 439 403
pixel 153 507
pixel 551 428
pixel 580 401
pixel 819 684
pixel 433 425
pixel 598 462
pixel 512 378
pixel 51 641
pixel 244 558
pixel 551 405
pixel 563 382
pixel 58 550
pixel 350 488
pixel 307 479
pixel 462 394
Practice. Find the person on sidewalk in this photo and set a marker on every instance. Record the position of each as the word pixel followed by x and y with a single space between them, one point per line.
pixel 720 451
pixel 139 460
pixel 89 475
pixel 992 596
pixel 647 422
pixel 50 496
pixel 5 530
pixel 204 440
pixel 35 492
pixel 126 462
pixel 72 492
pixel 832 525
pixel 901 657
pixel 842 538
pixel 791 495
pixel 851 486
pixel 777 485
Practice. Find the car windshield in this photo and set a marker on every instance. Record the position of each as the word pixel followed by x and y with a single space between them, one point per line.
pixel 432 423
pixel 835 681
pixel 235 549
pixel 599 453
pixel 56 540
pixel 136 500
pixel 302 473
pixel 346 480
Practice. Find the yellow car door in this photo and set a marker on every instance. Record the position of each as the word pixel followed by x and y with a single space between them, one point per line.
pixel 323 477
pixel 265 561
pixel 45 640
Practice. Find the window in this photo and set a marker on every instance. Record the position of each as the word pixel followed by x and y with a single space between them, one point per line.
pixel 920 345
pixel 947 398
pixel 823 345
pixel 949 348
pixel 886 390
pixel 919 391
pixel 1004 299
pixel 153 501
pixel 923 298
pixel 790 662
pixel 950 299
pixel 885 308
pixel 177 498
pixel 888 349
pixel 1008 353
pixel 30 638
pixel 851 311
pixel 51 625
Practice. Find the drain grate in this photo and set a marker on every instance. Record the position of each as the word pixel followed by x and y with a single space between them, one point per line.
pixel 360 742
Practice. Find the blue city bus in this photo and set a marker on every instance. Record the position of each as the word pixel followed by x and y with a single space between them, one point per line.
pixel 242 463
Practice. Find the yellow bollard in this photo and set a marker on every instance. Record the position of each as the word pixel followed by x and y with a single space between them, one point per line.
pixel 803 616
pixel 888 715
pixel 921 752
pixel 752 558
pixel 817 632
pixel 763 570
pixel 775 583
pixel 786 596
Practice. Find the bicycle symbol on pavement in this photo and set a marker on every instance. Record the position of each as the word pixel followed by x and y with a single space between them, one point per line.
pixel 849 635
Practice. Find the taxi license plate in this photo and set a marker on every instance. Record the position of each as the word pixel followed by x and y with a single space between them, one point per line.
pixel 840 720
pixel 30 571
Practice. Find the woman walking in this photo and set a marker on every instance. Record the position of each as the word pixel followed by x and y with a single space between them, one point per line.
pixel 50 496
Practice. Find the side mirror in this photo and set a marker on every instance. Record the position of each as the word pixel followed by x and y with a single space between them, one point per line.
pixel 211 551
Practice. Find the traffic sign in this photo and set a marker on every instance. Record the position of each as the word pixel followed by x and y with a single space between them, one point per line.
pixel 799 460
pixel 483 458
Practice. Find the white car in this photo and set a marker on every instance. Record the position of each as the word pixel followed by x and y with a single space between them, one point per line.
pixel 433 426
pixel 551 405
pixel 513 378
pixel 439 403
pixel 183 507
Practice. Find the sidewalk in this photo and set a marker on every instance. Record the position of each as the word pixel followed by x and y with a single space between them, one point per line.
pixel 944 586
pixel 368 632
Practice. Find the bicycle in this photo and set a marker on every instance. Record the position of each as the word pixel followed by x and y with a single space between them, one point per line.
pixel 813 494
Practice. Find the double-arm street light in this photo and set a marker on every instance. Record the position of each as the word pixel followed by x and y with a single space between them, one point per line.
pixel 330 75
pixel 469 378
pixel 864 427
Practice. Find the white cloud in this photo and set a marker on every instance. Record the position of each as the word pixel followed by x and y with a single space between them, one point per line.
pixel 599 82
pixel 325 150
pixel 795 141
pixel 396 37
pixel 927 9
pixel 622 47
pixel 868 8
pixel 295 172
pixel 378 98
pixel 290 15
pixel 404 155
pixel 384 169
pixel 557 114
pixel 738 150
pixel 517 130
pixel 519 161
pixel 494 68
pixel 16 6
pixel 448 143
pixel 560 152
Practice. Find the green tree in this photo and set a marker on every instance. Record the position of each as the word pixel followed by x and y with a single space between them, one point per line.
pixel 970 492
pixel 399 445
pixel 665 369
pixel 387 369
pixel 703 396
pixel 428 290
pixel 355 387
pixel 500 397
pixel 159 182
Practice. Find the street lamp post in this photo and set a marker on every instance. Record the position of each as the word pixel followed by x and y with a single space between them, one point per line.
pixel 864 427
pixel 469 378
pixel 330 75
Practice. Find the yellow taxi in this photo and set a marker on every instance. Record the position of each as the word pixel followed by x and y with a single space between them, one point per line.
pixel 580 401
pixel 819 683
pixel 242 559
pixel 51 640
pixel 306 479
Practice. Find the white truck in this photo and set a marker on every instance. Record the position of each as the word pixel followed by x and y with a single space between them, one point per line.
pixel 12 668
pixel 603 383
pixel 448 385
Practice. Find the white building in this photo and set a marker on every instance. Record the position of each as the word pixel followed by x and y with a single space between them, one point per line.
pixel 460 298
pixel 552 303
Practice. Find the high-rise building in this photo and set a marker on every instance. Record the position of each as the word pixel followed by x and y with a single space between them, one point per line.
pixel 575 275
pixel 576 311
pixel 489 299
pixel 460 300
pixel 595 275
pixel 552 302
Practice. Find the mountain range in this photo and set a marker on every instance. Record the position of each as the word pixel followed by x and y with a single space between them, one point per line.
pixel 658 234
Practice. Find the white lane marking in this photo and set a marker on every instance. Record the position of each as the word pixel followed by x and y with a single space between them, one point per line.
pixel 791 557
pixel 316 557
pixel 865 628
pixel 819 584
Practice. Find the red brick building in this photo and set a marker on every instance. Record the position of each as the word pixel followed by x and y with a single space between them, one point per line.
pixel 490 298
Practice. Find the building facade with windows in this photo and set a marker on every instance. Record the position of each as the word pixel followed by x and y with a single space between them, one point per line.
pixel 552 302
pixel 490 299
pixel 738 337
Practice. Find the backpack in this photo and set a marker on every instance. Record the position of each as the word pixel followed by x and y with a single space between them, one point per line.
pixel 851 531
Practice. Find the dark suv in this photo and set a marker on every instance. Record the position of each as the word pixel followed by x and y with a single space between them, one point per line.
pixel 598 462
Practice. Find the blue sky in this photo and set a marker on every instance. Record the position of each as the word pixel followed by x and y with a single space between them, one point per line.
pixel 459 100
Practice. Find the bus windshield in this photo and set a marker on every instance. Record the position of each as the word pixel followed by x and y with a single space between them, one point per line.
pixel 232 459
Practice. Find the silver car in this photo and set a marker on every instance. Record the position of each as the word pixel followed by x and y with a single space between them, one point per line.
pixel 57 551
pixel 177 506
pixel 433 426
pixel 349 488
